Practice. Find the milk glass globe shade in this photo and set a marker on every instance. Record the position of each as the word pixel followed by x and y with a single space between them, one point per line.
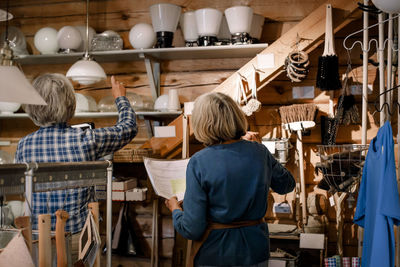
pixel 45 40
pixel 86 71
pixel 82 31
pixel 68 37
pixel 9 107
pixel 142 35
pixel 165 17
pixel 388 6
pixel 208 21
pixel 161 103
pixel 239 19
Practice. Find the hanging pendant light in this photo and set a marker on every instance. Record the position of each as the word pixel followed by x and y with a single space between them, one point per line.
pixel 86 71
pixel 14 86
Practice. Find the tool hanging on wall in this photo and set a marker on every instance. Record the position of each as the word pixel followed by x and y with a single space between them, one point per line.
pixel 328 76
pixel 248 84
pixel 297 66
pixel 299 118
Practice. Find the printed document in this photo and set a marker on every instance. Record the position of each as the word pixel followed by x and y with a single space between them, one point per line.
pixel 168 177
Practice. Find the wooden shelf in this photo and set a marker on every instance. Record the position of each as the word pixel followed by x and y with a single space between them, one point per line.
pixel 155 114
pixel 205 52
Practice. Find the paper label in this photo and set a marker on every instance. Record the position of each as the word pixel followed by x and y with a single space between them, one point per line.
pixel 188 107
pixel 332 201
pixel 302 92
pixel 270 145
pixel 164 131
pixel 266 61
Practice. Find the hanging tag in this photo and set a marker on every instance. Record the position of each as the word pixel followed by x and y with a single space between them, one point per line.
pixel 332 201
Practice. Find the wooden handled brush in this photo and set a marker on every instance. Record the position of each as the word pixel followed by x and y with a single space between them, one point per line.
pixel 62 217
pixel 299 118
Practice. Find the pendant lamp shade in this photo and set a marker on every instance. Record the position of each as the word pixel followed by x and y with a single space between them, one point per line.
pixel 239 19
pixel 165 17
pixel 14 87
pixel 86 71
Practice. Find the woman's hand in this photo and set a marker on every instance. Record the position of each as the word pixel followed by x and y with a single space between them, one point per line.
pixel 117 88
pixel 173 204
pixel 252 136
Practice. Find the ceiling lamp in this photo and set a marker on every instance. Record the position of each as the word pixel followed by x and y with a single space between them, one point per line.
pixel 14 86
pixel 86 71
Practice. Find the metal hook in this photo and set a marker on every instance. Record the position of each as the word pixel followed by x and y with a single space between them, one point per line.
pixel 242 77
pixel 257 70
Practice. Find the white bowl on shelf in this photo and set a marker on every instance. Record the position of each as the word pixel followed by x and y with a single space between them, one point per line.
pixel 9 107
pixel 85 103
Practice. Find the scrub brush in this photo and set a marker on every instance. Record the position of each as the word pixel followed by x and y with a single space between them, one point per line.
pixel 298 118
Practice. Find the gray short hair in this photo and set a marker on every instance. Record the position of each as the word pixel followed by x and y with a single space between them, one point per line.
pixel 58 93
pixel 217 118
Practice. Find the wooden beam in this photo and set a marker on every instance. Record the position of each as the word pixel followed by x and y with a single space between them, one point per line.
pixel 310 30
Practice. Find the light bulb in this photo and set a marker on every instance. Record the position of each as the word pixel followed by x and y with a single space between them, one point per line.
pixel 45 40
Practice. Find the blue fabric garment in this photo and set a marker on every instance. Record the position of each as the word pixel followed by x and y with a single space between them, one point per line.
pixel 378 204
pixel 61 143
pixel 227 183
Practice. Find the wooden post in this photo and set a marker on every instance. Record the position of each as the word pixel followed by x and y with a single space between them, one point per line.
pixel 62 217
pixel 44 226
pixel 94 209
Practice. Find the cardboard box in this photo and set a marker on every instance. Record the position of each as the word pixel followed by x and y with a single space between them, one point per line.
pixel 136 194
pixel 118 195
pixel 124 185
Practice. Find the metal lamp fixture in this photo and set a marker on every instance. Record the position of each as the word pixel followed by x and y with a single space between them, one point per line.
pixel 14 86
pixel 86 71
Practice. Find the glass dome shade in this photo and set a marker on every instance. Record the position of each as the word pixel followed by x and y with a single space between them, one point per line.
pixel 45 40
pixel 388 6
pixel 86 71
pixel 165 17
pixel 208 21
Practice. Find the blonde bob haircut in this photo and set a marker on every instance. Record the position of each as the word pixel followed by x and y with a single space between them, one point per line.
pixel 216 118
pixel 58 93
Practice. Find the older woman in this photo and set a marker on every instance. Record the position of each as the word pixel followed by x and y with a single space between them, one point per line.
pixel 227 184
pixel 56 141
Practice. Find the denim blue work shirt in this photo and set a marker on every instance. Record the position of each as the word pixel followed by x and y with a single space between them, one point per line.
pixel 227 183
pixel 62 143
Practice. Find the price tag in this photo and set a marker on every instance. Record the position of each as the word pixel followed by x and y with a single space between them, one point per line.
pixel 332 201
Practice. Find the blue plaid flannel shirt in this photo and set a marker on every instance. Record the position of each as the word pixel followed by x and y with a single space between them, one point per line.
pixel 61 143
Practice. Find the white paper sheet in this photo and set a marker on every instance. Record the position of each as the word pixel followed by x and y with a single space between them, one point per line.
pixel 168 177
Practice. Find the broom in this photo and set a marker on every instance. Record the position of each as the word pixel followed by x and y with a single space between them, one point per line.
pixel 298 118
pixel 328 75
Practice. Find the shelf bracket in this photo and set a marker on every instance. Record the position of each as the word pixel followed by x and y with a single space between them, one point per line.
pixel 153 74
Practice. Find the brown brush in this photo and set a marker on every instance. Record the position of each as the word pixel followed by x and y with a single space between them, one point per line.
pixel 299 118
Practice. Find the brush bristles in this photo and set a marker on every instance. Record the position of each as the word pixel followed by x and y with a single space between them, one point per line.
pixel 297 112
pixel 328 73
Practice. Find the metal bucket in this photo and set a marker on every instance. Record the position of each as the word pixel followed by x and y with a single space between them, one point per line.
pixel 279 148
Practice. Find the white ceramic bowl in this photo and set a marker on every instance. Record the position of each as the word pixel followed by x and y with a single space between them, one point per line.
pixel 142 36
pixel 208 21
pixel 68 37
pixel 45 40
pixel 9 107
pixel 82 31
pixel 239 19
pixel 85 103
pixel 161 103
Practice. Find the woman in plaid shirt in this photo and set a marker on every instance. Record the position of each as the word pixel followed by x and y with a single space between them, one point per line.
pixel 56 141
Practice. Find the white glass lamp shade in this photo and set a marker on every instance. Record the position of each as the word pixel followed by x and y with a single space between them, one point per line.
pixel 142 36
pixel 86 71
pixel 239 19
pixel 16 40
pixel 161 103
pixel 257 25
pixel 165 17
pixel 45 40
pixel 85 103
pixel 208 21
pixel 224 32
pixel 388 6
pixel 82 31
pixel 4 15
pixel 68 37
pixel 14 87
pixel 189 26
pixel 9 107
